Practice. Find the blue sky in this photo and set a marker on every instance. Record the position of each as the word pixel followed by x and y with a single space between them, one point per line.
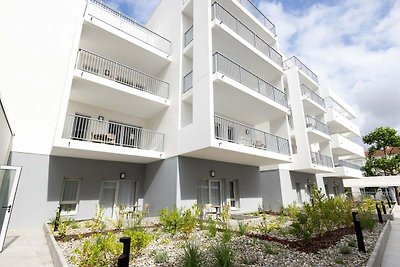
pixel 352 45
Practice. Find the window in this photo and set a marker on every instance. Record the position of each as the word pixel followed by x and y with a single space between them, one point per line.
pixel 298 192
pixel 209 192
pixel 327 190
pixel 70 196
pixel 233 194
pixel 309 191
pixel 336 190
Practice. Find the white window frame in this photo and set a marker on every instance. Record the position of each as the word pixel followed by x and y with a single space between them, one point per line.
pixel 298 193
pixel 220 191
pixel 76 201
pixel 116 195
pixel 235 194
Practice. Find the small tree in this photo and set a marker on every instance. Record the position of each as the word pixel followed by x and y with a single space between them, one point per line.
pixel 387 140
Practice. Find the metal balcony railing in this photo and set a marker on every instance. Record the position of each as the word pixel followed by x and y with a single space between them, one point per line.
pixel 98 131
pixel 321 160
pixel 119 73
pixel 247 4
pixel 188 37
pixel 305 91
pixel 234 71
pixel 238 133
pixel 343 163
pixel 243 31
pixel 295 61
pixel 317 125
pixel 127 25
pixel 188 82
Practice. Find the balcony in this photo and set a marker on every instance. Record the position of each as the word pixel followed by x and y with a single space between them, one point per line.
pixel 121 74
pixel 294 61
pixel 342 146
pixel 238 133
pixel 345 170
pixel 314 103
pixel 220 13
pixel 343 163
pixel 340 124
pixel 321 160
pixel 317 130
pixel 188 82
pixel 239 74
pixel 188 37
pixel 123 23
pixel 258 15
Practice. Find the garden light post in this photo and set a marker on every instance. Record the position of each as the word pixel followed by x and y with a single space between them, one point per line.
pixel 359 235
pixel 383 207
pixel 378 210
pixel 388 201
pixel 57 219
pixel 123 259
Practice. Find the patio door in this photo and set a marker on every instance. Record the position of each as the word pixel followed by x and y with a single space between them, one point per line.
pixel 108 197
pixel 9 178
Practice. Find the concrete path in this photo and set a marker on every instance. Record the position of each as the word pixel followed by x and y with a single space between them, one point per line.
pixel 25 248
pixel 391 257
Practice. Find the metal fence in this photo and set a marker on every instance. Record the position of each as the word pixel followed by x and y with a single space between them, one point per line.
pixel 126 24
pixel 243 31
pixel 188 82
pixel 84 128
pixel 258 15
pixel 234 71
pixel 295 61
pixel 119 73
pixel 343 163
pixel 236 132
pixel 317 125
pixel 321 160
pixel 188 37
pixel 313 95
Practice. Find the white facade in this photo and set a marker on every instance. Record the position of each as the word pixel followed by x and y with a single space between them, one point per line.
pixel 192 104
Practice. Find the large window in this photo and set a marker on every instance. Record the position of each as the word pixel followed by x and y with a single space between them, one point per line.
pixel 209 192
pixel 298 193
pixel 233 194
pixel 70 196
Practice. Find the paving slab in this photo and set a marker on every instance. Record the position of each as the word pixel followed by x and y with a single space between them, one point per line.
pixel 391 257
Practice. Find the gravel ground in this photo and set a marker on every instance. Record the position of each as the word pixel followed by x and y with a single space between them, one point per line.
pixel 248 251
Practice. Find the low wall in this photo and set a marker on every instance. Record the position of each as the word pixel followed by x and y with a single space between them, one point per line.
pixel 377 254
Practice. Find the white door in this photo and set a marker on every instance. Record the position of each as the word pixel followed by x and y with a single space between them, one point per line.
pixel 215 195
pixel 9 177
pixel 108 197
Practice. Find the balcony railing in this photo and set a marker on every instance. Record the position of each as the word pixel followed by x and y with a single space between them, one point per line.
pixel 127 25
pixel 119 73
pixel 188 82
pixel 238 133
pixel 243 31
pixel 98 131
pixel 188 36
pixel 317 125
pixel 258 15
pixel 343 163
pixel 295 61
pixel 234 71
pixel 305 91
pixel 321 160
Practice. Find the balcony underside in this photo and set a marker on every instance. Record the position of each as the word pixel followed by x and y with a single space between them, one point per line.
pixel 90 150
pixel 313 169
pixel 112 43
pixel 342 151
pixel 107 94
pixel 345 173
pixel 315 136
pixel 228 94
pixel 239 154
pixel 311 107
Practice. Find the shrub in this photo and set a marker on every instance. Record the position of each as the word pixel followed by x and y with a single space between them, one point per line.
pixel 249 260
pixel 176 220
pixel 269 249
pixel 226 235
pixel 352 243
pixel 339 261
pixel 161 257
pixel 135 220
pixel 189 220
pixel 224 255
pixel 212 228
pixel 367 221
pixel 226 215
pixel 101 250
pixel 302 228
pixel 139 240
pixel 192 256
pixel 98 220
pixel 243 228
pixel 345 250
pixel 267 227
pixel 62 228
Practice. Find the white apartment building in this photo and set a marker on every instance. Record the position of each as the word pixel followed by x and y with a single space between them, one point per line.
pixel 183 110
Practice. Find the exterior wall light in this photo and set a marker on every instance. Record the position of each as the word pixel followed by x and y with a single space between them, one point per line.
pixel 212 173
pixel 308 181
pixel 122 175
pixel 101 118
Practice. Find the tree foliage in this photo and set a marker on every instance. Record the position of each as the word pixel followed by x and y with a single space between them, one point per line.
pixel 386 140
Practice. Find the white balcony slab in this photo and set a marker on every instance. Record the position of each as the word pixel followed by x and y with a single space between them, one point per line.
pixel 340 124
pixel 342 146
pixel 345 173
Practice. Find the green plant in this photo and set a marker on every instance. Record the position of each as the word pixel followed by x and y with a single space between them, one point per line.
pixel 269 249
pixel 62 229
pixel 98 220
pixel 211 227
pixel 249 260
pixel 267 227
pixel 192 257
pixel 226 235
pixel 139 239
pixel 226 215
pixel 178 220
pixel 243 228
pixel 224 255
pixel 352 243
pixel 161 257
pixel 339 261
pixel 101 250
pixel 345 250
pixel 135 219
pixel 367 221
pixel 189 221
pixel 301 228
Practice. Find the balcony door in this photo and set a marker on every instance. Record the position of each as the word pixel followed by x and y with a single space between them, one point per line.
pixel 209 192
pixel 108 197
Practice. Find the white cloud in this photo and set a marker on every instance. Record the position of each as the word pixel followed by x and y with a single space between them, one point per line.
pixel 353 47
pixel 140 10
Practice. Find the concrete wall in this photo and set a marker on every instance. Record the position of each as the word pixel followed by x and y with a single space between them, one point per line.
pixel 5 136
pixel 330 183
pixel 40 187
pixel 191 170
pixel 271 190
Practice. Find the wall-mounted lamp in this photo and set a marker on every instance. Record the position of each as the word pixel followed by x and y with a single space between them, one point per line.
pixel 101 118
pixel 212 173
pixel 308 181
pixel 334 183
pixel 122 175
pixel 247 131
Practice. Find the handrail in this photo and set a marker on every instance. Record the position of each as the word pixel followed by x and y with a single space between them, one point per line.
pixel 321 160
pixel 188 82
pixel 119 73
pixel 247 4
pixel 239 133
pixel 301 66
pixel 131 27
pixel 188 36
pixel 220 13
pixel 233 70
pixel 313 95
pixel 84 128
pixel 344 163
pixel 317 125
